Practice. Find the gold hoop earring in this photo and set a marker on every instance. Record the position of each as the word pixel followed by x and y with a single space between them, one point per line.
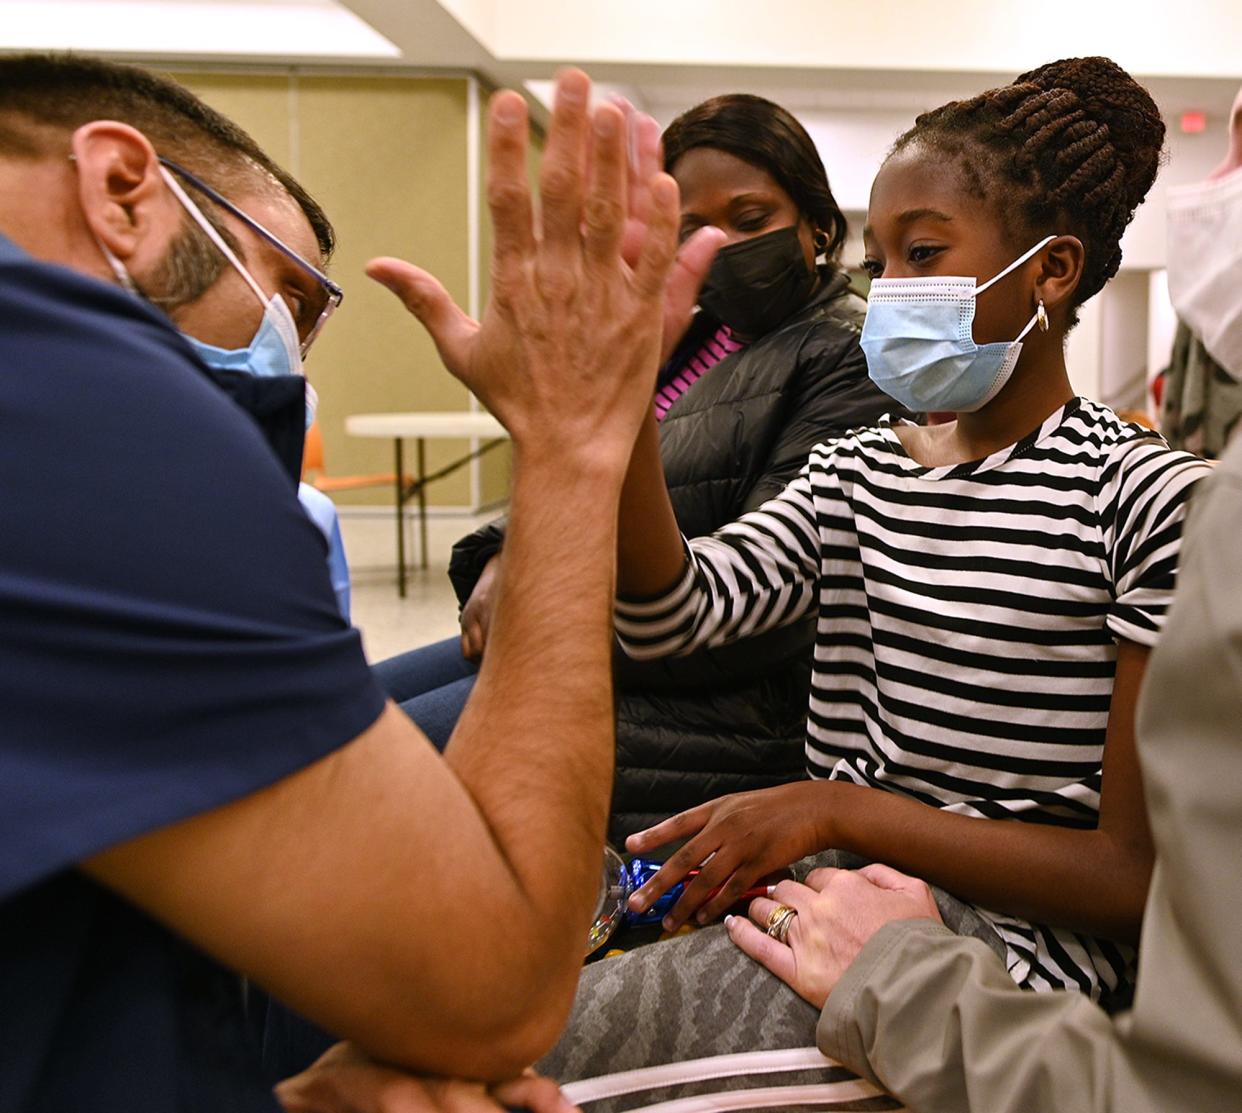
pixel 820 240
pixel 1041 316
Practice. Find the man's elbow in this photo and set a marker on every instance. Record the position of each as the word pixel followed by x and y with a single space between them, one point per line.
pixel 503 1017
pixel 510 1038
pixel 504 1051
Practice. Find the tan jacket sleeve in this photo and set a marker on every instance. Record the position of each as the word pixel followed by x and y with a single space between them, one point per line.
pixel 935 1019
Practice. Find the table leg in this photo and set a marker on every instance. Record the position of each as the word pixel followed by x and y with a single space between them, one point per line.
pixel 422 499
pixel 400 522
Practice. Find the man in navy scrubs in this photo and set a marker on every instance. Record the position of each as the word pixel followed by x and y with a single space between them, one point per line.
pixel 198 775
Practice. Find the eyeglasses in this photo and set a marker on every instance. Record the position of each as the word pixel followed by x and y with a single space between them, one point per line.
pixel 332 293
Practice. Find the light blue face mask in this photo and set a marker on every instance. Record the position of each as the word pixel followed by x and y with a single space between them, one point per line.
pixel 266 355
pixel 919 343
pixel 275 348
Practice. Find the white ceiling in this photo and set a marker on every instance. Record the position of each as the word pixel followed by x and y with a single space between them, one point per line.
pixel 835 54
pixel 812 55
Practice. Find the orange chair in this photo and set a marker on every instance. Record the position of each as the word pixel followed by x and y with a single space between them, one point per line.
pixel 316 474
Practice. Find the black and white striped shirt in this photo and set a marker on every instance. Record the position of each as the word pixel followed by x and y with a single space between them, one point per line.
pixel 967 623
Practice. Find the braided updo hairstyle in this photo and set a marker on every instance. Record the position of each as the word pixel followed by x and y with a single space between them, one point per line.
pixel 1069 148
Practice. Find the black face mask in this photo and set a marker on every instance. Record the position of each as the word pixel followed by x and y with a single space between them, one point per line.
pixel 756 284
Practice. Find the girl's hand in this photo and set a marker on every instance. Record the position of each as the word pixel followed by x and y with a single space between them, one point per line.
pixel 838 912
pixel 694 256
pixel 736 840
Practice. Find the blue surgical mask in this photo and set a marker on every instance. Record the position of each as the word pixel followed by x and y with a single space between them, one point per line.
pixel 275 348
pixel 269 353
pixel 919 343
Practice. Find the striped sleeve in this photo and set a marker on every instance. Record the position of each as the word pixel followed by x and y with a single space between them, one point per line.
pixel 1145 498
pixel 751 576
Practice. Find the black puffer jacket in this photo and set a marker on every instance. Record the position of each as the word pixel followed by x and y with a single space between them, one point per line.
pixel 693 728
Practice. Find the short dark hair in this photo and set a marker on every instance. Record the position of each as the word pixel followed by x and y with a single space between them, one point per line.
pixel 65 91
pixel 1071 147
pixel 765 135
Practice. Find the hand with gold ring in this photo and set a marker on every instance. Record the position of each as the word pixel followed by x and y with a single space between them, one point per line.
pixel 808 934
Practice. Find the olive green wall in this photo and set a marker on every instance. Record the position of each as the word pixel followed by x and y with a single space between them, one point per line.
pixel 388 157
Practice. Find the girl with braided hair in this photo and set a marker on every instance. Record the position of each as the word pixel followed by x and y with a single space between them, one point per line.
pixel 986 590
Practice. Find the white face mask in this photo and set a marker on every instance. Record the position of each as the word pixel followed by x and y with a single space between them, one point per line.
pixel 1205 265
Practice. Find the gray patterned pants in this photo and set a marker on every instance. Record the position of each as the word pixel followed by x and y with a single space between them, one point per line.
pixel 696 997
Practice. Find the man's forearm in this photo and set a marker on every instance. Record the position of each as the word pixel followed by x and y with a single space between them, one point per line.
pixel 936 1020
pixel 534 746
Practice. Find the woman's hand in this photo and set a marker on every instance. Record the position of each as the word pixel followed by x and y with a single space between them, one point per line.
pixel 838 912
pixel 476 615
pixel 736 839
pixel 344 1080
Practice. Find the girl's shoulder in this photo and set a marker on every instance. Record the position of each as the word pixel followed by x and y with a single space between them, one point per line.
pixel 1123 445
pixel 1142 484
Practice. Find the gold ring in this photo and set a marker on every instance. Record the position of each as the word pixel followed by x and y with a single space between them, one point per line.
pixel 779 920
pixel 777 912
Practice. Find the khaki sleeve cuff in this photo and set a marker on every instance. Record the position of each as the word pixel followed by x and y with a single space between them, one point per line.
pixel 837 1034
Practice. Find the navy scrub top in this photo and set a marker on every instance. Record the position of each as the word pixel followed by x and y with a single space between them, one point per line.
pixel 169 642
